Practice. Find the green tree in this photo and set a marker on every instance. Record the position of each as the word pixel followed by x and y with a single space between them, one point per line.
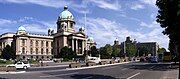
pixel 161 50
pixel 169 17
pixel 8 53
pixel 94 51
pixel 131 49
pixel 116 51
pixel 106 51
pixel 67 53
pixel 143 51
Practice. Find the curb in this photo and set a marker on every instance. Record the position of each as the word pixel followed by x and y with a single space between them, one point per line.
pixel 12 72
pixel 96 66
pixel 51 66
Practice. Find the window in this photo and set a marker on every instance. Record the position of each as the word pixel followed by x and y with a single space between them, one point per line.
pixel 31 50
pixel 47 51
pixel 31 43
pixel 23 50
pixel 46 43
pixel 36 50
pixel 42 51
pixel 23 42
pixel 42 43
pixel 71 25
pixel 36 43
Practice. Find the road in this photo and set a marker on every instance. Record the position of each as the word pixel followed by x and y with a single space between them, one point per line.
pixel 121 71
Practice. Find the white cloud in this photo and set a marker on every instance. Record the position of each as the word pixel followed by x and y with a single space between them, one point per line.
pixel 48 3
pixel 105 31
pixel 6 21
pixel 154 24
pixel 149 2
pixel 137 6
pixel 105 5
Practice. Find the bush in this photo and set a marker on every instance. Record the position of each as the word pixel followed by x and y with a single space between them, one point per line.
pixel 33 61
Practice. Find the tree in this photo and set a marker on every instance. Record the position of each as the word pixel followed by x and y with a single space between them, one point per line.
pixel 169 17
pixel 131 49
pixel 94 51
pixel 106 51
pixel 8 53
pixel 116 51
pixel 143 51
pixel 161 50
pixel 67 53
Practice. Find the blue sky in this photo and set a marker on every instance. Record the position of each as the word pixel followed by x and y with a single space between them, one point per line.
pixel 106 19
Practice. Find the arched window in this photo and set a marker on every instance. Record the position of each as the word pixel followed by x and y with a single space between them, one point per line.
pixel 47 51
pixel 46 43
pixel 36 43
pixel 23 50
pixel 23 42
pixel 42 43
pixel 31 43
pixel 42 51
pixel 36 50
pixel 31 50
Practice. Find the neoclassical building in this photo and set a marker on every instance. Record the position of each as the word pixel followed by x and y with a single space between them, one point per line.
pixel 27 45
pixel 38 46
pixel 67 36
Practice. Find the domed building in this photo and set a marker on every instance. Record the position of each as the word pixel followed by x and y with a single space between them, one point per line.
pixel 67 36
pixel 28 45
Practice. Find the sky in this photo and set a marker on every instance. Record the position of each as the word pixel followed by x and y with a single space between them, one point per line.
pixel 105 20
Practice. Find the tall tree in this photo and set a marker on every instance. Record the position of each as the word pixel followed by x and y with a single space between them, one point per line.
pixel 116 51
pixel 8 53
pixel 131 49
pixel 94 51
pixel 67 53
pixel 161 50
pixel 169 17
pixel 106 51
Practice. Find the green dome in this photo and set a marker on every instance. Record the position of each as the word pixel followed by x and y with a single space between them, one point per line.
pixel 66 14
pixel 21 28
pixel 91 39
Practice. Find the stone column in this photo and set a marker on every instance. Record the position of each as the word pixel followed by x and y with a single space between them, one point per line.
pixel 72 45
pixel 76 45
pixel 82 46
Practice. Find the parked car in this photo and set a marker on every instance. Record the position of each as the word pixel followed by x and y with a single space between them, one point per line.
pixel 21 65
pixel 154 59
pixel 116 59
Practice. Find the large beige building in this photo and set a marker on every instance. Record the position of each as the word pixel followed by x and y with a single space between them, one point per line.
pixel 67 36
pixel 28 46
pixel 36 46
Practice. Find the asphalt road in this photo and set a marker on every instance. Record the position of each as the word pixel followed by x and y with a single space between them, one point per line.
pixel 121 71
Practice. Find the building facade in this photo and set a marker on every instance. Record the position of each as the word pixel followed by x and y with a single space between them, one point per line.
pixel 38 46
pixel 67 36
pixel 5 39
pixel 28 46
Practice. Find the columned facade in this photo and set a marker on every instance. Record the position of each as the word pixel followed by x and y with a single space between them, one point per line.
pixel 66 34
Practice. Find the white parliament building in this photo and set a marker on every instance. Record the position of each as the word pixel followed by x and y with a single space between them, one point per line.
pixel 39 46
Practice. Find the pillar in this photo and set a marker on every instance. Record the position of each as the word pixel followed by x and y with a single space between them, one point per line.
pixel 72 45
pixel 76 45
pixel 82 46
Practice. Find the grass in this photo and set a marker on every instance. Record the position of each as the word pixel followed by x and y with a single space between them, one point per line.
pixel 7 62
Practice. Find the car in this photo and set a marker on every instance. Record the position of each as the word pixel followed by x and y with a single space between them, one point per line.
pixel 116 59
pixel 20 65
pixel 154 59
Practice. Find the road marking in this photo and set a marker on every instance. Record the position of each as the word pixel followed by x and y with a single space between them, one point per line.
pixel 90 77
pixel 60 74
pixel 152 67
pixel 133 75
pixel 124 69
